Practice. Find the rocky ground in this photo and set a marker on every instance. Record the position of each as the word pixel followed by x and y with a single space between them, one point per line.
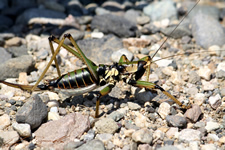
pixel 131 118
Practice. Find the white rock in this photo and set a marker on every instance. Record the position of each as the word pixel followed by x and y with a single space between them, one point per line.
pixel 208 147
pixel 98 35
pixel 215 101
pixel 194 145
pixel 212 137
pixel 205 72
pixel 164 110
pixel 53 116
pixel 158 135
pixel 207 86
pixel 104 137
pixel 133 106
pixel 141 120
pixel 221 66
pixel 4 121
pixel 189 135
pixel 172 132
pixel 199 98
pixel 210 126
pixel 24 130
pixel 54 109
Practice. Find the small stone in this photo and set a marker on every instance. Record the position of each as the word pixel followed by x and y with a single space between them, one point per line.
pixel 164 110
pixel 62 111
pixel 15 41
pixel 211 126
pixel 207 86
pixel 116 115
pixel 158 135
pixel 32 112
pixel 143 20
pixel 4 121
pixel 24 130
pixel 205 72
pixel 194 145
pixel 12 101
pixel 128 133
pixel 199 98
pixel 136 42
pixel 89 136
pixel 9 137
pixel 168 147
pixel 222 139
pixel 53 116
pixel 215 101
pixel 220 74
pixel 221 66
pixel 172 132
pixel 106 125
pixel 141 95
pixel 212 137
pixel 199 124
pixel 208 147
pixel 141 120
pixel 97 35
pixel 133 106
pixel 93 144
pixel 189 135
pixel 176 121
pixel 193 113
pixel 144 147
pixel 104 137
pixel 143 136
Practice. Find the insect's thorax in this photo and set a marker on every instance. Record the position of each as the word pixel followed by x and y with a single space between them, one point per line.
pixel 120 72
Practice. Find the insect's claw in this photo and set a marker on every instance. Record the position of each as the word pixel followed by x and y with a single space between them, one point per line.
pixel 67 35
pixel 51 38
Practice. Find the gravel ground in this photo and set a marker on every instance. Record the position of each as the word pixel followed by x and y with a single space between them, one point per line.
pixel 190 65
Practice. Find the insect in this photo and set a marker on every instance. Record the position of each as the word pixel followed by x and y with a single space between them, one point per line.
pixel 87 79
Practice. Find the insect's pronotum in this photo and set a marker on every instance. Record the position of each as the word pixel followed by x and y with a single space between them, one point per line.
pixel 87 79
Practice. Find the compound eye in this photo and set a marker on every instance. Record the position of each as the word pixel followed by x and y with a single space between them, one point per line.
pixel 101 71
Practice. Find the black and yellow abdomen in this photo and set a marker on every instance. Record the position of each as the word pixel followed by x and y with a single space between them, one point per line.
pixel 75 79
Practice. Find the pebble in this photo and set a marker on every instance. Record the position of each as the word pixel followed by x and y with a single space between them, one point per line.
pixel 133 106
pixel 207 33
pixel 12 67
pixel 142 20
pixel 89 136
pixel 211 126
pixel 164 110
pixel 212 137
pixel 220 66
pixel 176 121
pixel 121 26
pixel 193 113
pixel 161 10
pixel 158 135
pixel 116 115
pixel 23 130
pixel 144 147
pixel 172 132
pixel 96 144
pixel 189 135
pixel 9 137
pixel 141 95
pixel 106 125
pixel 141 120
pixel 199 98
pixel 168 147
pixel 4 121
pixel 208 147
pixel 104 137
pixel 205 72
pixel 4 55
pixel 53 116
pixel 215 101
pixel 143 136
pixel 193 77
pixel 136 42
pixel 15 41
pixel 33 112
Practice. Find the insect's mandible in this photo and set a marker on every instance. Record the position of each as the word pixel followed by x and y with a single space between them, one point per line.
pixel 93 76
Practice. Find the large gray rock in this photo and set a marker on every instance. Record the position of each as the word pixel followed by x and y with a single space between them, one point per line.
pixel 207 30
pixel 32 112
pixel 117 25
pixel 12 67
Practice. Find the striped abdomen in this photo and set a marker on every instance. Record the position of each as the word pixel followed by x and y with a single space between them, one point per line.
pixel 75 79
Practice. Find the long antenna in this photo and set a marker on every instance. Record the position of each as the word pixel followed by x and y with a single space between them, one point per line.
pixel 175 28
